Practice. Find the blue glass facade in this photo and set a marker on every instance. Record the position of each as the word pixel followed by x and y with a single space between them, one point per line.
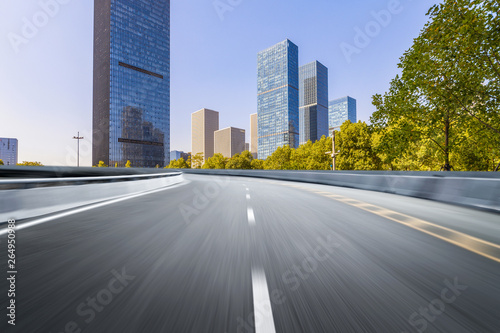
pixel 132 82
pixel 340 110
pixel 278 98
pixel 8 151
pixel 313 102
pixel 176 154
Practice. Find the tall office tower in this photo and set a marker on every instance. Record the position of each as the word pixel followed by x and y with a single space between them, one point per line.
pixel 8 151
pixel 340 110
pixel 229 141
pixel 131 111
pixel 313 102
pixel 278 98
pixel 203 125
pixel 253 135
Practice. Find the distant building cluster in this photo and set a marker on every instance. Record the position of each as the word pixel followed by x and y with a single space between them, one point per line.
pixel 8 151
pixel 292 108
pixel 207 139
pixel 293 104
pixel 177 154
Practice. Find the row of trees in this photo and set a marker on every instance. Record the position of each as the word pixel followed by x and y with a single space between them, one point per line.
pixel 354 140
pixel 25 163
pixel 364 147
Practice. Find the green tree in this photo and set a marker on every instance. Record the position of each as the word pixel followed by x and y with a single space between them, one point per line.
pixel 197 161
pixel 257 164
pixel 102 165
pixel 26 163
pixel 458 55
pixel 450 84
pixel 178 164
pixel 1 162
pixel 355 144
pixel 313 156
pixel 218 161
pixel 128 164
pixel 280 159
pixel 241 161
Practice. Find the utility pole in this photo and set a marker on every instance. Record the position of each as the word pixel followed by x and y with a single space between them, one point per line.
pixel 333 152
pixel 78 138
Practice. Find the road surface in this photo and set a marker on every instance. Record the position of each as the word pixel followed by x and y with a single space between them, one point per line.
pixel 219 254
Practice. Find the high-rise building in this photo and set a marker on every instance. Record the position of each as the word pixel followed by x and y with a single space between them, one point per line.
pixel 278 98
pixel 131 109
pixel 8 151
pixel 313 102
pixel 253 135
pixel 203 125
pixel 340 110
pixel 229 141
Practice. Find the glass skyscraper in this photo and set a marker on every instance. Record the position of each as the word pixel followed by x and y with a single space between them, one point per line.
pixel 340 110
pixel 313 102
pixel 278 98
pixel 8 151
pixel 131 111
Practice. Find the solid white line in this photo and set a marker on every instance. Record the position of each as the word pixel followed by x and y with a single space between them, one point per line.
pixel 251 216
pixel 261 303
pixel 86 208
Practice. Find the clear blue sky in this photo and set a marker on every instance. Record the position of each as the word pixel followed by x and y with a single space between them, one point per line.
pixel 46 87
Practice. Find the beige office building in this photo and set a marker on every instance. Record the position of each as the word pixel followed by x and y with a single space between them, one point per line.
pixel 253 135
pixel 203 125
pixel 229 141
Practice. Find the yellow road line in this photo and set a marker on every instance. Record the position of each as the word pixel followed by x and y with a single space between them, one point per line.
pixel 470 243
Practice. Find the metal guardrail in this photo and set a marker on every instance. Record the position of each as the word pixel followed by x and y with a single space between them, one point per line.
pixel 471 189
pixel 25 183
pixel 24 198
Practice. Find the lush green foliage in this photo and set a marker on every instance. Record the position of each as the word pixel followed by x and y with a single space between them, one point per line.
pixel 1 162
pixel 26 163
pixel 197 161
pixel 178 164
pixel 240 161
pixel 443 111
pixel 353 141
pixel 218 161
pixel 100 165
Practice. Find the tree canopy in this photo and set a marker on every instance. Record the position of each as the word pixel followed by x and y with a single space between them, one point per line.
pixel 26 163
pixel 443 111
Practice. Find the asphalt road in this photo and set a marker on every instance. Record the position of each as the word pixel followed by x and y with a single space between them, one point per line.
pixel 219 254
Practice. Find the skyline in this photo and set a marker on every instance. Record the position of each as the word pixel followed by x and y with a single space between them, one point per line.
pixel 213 65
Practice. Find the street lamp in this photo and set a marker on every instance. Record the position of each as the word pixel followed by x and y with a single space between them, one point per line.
pixel 333 153
pixel 78 138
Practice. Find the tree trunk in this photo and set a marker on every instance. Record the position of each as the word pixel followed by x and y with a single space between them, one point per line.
pixel 498 167
pixel 447 166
